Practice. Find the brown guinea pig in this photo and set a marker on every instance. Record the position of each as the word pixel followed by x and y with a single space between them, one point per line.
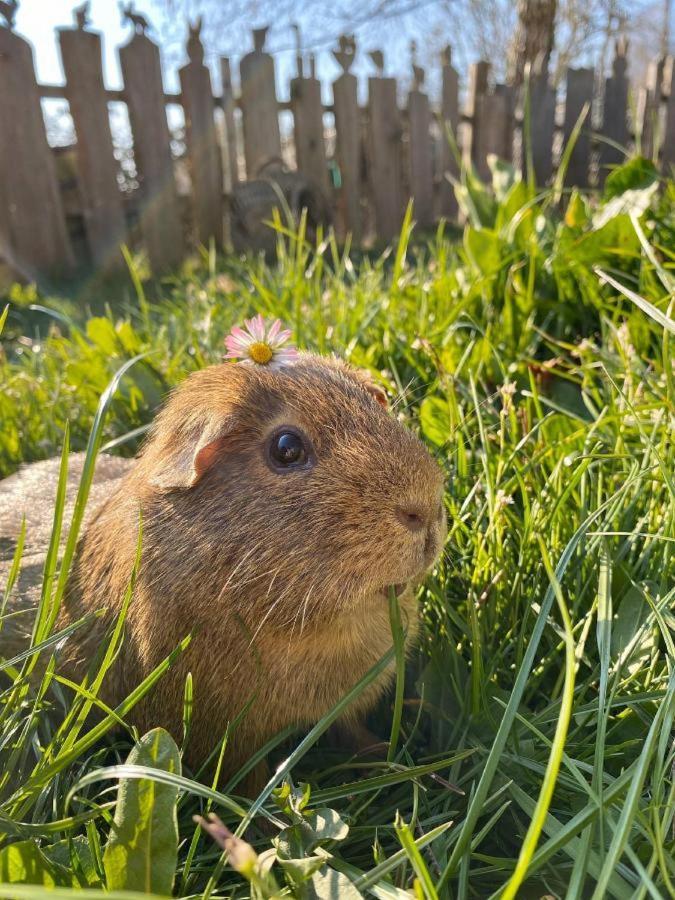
pixel 278 506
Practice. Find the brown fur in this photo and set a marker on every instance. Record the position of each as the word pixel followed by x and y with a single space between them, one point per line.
pixel 280 578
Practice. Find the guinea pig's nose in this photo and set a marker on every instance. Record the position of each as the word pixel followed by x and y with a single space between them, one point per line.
pixel 413 515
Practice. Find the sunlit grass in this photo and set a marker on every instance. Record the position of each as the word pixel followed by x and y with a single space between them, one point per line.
pixel 532 745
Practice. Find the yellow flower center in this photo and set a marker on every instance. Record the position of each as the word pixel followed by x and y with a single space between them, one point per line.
pixel 260 353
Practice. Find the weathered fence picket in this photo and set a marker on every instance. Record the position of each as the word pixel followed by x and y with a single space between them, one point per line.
pixel 474 153
pixel 449 122
pixel 102 209
pixel 491 133
pixel 202 144
pixel 230 163
pixel 260 111
pixel 383 155
pixel 421 173
pixel 542 125
pixel 385 133
pixel 158 207
pixel 615 133
pixel 578 97
pixel 33 236
pixel 348 141
pixel 648 106
pixel 669 122
pixel 310 149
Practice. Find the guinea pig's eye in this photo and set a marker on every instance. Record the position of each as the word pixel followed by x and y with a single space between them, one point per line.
pixel 287 449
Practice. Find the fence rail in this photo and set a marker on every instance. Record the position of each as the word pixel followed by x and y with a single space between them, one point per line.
pixel 366 166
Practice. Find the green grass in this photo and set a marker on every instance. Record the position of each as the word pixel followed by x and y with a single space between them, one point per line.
pixel 532 746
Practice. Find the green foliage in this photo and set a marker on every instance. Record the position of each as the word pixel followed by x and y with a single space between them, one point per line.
pixel 66 863
pixel 532 732
pixel 142 850
pixel 24 863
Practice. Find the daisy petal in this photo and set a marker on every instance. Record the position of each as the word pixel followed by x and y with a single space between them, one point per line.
pixel 235 344
pixel 282 337
pixel 286 355
pixel 242 336
pixel 273 331
pixel 256 327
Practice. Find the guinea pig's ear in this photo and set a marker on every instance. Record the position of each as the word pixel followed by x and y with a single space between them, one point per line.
pixel 376 392
pixel 192 455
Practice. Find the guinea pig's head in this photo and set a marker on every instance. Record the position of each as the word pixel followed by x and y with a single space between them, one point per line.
pixel 290 486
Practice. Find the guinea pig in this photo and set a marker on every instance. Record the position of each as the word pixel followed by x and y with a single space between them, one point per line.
pixel 278 506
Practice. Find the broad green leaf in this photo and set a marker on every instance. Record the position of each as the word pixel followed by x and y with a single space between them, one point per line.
pixel 24 863
pixel 40 892
pixel 476 201
pixel 301 869
pixel 631 203
pixel 332 885
pixel 636 174
pixel 142 849
pixel 76 855
pixel 327 825
pixel 516 214
pixel 483 247
pixel 615 237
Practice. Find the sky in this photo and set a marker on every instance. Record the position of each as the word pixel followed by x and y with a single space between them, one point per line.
pixel 37 20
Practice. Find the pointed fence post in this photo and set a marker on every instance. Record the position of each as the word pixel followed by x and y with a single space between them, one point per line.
pixel 421 174
pixel 159 212
pixel 259 107
pixel 506 103
pixel 578 93
pixel 102 206
pixel 542 124
pixel 33 236
pixel 474 151
pixel 202 143
pixel 615 112
pixel 648 106
pixel 347 140
pixel 231 161
pixel 449 120
pixel 669 131
pixel 385 132
pixel 495 128
pixel 310 149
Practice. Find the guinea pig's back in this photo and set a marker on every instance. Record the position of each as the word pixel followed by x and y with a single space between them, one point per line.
pixel 31 493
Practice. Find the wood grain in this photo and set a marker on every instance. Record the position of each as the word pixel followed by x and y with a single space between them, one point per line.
pixel 158 203
pixel 262 140
pixel 385 133
pixel 310 149
pixel 348 154
pixel 203 153
pixel 97 168
pixel 33 235
pixel 421 172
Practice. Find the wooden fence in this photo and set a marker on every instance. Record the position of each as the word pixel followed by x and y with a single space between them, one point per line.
pixel 367 161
